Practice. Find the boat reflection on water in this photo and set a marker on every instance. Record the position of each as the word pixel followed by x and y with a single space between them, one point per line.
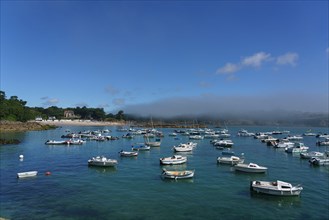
pixel 278 201
pixel 103 169
pixel 189 180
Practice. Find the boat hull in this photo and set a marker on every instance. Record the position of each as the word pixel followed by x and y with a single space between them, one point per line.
pixel 27 174
pixel 128 154
pixel 101 164
pixel 229 160
pixel 242 168
pixel 265 189
pixel 172 162
pixel 141 149
pixel 178 174
pixel 153 144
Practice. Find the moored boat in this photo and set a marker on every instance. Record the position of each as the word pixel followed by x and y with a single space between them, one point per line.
pixel 184 174
pixel 320 160
pixel 284 144
pixel 250 168
pixel 224 143
pixel 309 155
pixel 52 142
pixel 196 137
pixel 297 148
pixel 102 161
pixel 176 159
pixel 323 143
pixel 232 160
pixel 277 188
pixel 155 143
pixel 128 153
pixel 75 142
pixel 27 174
pixel 183 148
pixel 141 147
pixel 245 133
pixel 295 138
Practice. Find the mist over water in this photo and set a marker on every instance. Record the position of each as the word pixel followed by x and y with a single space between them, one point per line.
pixel 275 106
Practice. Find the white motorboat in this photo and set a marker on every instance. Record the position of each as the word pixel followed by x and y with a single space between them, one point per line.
pixel 183 148
pixel 284 144
pixel 223 133
pixel 102 161
pixel 250 168
pixel 232 160
pixel 278 188
pixel 27 174
pixel 260 135
pixel 245 133
pixel 321 161
pixel 309 155
pixel 128 153
pixel 75 142
pixel 211 136
pixel 52 142
pixel 176 159
pixel 297 148
pixel 295 138
pixel 196 137
pixel 141 147
pixel 323 143
pixel 224 143
pixel 155 143
pixel 318 161
pixel 192 144
pixel 184 174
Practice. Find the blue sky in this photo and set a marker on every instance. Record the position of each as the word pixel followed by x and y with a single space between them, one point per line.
pixel 167 57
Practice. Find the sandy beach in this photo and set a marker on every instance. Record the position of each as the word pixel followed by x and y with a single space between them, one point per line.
pixel 81 123
pixel 10 126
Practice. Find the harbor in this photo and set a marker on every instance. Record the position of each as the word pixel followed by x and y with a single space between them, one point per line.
pixel 66 187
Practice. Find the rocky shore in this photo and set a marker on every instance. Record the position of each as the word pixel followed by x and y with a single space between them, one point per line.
pixel 15 126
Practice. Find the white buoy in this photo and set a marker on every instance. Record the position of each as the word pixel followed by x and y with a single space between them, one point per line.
pixel 21 157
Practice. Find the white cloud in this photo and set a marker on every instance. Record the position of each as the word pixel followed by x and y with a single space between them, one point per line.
pixel 228 68
pixel 287 59
pixel 256 60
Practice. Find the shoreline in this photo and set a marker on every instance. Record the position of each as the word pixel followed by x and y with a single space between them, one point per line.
pixel 81 123
pixel 16 126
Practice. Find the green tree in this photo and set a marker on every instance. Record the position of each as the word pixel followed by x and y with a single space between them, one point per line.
pixel 120 115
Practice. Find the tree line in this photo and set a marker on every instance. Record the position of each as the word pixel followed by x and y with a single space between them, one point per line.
pixel 15 109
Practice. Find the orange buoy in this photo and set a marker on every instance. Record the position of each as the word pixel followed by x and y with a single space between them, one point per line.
pixel 48 173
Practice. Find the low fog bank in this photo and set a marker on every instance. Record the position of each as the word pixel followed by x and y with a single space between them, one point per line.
pixel 303 110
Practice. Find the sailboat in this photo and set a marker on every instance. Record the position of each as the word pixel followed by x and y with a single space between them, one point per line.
pixel 155 143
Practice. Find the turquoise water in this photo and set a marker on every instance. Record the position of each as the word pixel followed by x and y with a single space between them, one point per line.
pixel 134 189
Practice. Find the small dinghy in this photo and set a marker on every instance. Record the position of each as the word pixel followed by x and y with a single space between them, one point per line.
pixel 176 159
pixel 128 153
pixel 27 174
pixel 184 174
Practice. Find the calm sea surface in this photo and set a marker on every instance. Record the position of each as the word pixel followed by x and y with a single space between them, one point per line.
pixel 135 190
